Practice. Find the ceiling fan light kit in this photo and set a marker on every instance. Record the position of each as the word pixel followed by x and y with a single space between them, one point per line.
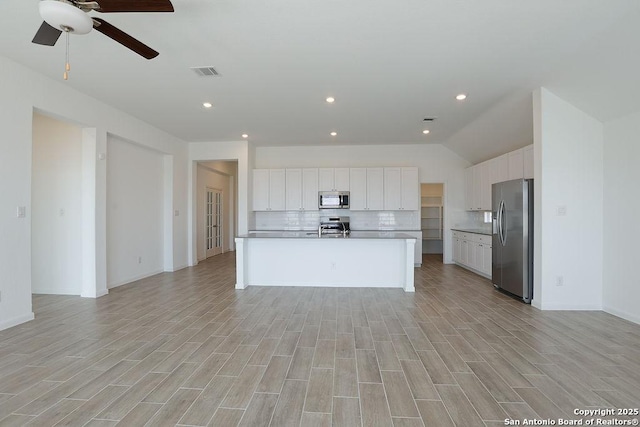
pixel 71 17
pixel 65 17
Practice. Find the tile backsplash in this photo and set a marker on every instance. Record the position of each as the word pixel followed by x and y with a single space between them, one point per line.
pixel 360 220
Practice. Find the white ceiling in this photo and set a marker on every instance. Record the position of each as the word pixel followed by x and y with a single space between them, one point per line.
pixel 388 63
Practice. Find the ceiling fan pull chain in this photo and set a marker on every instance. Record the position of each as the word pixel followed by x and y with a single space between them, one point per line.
pixel 67 67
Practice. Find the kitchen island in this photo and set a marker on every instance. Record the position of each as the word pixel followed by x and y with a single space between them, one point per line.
pixel 299 258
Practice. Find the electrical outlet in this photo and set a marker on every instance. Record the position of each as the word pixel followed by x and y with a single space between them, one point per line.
pixel 559 281
pixel 561 211
pixel 21 212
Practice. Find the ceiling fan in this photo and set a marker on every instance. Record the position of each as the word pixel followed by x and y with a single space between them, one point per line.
pixel 71 16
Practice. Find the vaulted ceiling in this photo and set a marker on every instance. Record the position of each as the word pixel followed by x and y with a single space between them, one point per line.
pixel 389 64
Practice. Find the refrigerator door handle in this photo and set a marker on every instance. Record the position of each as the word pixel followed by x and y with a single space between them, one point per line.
pixel 504 225
pixel 501 229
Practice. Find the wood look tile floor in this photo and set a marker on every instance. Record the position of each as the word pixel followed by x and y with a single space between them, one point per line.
pixel 186 348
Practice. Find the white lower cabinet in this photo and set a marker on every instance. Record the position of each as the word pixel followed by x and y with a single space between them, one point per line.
pixel 472 251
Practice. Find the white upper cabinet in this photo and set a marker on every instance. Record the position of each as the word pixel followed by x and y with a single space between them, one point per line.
pixel 333 179
pixel 392 189
pixel 528 161
pixel 375 189
pixel 401 189
pixel 486 173
pixel 502 168
pixel 310 189
pixel 516 164
pixel 469 189
pixel 301 189
pixel 293 187
pixel 367 189
pixel 261 189
pixel 269 190
pixel 479 178
pixel 296 189
pixel 358 192
pixel 410 189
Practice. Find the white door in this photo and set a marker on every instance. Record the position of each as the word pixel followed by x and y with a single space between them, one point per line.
pixel 213 222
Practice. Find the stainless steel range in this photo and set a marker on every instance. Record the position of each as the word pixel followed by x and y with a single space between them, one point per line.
pixel 334 226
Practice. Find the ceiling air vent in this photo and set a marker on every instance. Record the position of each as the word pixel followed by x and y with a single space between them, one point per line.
pixel 206 71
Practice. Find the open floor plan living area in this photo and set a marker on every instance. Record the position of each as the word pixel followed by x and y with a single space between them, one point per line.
pixel 319 213
pixel 186 348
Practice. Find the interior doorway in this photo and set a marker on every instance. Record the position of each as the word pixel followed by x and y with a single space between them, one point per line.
pixel 215 207
pixel 214 229
pixel 432 217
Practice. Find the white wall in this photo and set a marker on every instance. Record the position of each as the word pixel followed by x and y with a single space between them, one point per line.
pixel 622 226
pixel 56 203
pixel 435 163
pixel 135 223
pixel 209 178
pixel 23 91
pixel 237 151
pixel 568 173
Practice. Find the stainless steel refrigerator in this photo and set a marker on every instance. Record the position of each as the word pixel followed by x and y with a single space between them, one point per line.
pixel 512 246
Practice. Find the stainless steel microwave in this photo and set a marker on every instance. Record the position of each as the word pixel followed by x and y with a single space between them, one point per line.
pixel 333 199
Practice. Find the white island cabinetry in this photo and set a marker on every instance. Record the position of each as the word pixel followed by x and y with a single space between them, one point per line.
pixel 384 259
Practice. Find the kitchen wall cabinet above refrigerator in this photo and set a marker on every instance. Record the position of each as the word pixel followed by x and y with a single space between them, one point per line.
pixel 479 178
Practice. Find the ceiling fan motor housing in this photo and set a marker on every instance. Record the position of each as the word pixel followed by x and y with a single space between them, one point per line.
pixel 65 16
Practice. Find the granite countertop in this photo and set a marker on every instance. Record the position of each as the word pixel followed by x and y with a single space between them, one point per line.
pixel 484 231
pixel 308 234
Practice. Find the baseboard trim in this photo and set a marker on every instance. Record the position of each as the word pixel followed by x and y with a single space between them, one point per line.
pixel 54 292
pixel 180 267
pixel 133 279
pixel 623 314
pixel 570 307
pixel 97 295
pixel 16 321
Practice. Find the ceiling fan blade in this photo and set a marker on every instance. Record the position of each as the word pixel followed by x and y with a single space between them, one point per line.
pixel 46 35
pixel 124 39
pixel 111 6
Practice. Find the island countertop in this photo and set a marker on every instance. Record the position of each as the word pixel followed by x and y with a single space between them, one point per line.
pixel 308 234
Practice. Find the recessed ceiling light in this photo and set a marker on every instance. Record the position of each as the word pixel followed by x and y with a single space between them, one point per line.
pixel 461 97
pixel 207 104
pixel 331 99
pixel 333 133
pixel 244 135
pixel 426 131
